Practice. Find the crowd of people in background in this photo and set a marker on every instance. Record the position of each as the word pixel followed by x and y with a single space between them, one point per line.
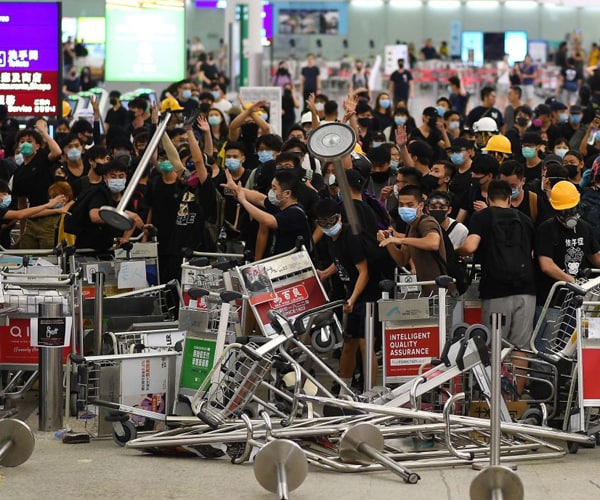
pixel 423 186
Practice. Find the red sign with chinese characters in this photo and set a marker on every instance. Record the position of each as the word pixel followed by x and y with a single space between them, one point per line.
pixel 30 49
pixel 405 349
pixel 15 344
pixel 291 299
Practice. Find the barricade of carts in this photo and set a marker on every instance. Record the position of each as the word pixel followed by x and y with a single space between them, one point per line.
pixel 239 360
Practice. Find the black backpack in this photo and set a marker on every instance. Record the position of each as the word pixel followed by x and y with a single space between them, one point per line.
pixel 78 215
pixel 508 259
pixel 589 209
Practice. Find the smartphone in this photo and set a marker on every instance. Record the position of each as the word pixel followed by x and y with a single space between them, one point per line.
pixel 592 138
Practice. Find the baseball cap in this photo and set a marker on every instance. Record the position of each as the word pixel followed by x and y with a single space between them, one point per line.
pixel 557 106
pixel 355 180
pixel 551 159
pixel 306 118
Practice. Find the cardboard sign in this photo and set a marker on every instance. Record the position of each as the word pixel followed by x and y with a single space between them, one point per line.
pixel 407 348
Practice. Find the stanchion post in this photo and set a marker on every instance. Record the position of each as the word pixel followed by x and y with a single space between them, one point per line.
pixel 51 377
pixel 496 389
pixel 98 312
pixel 370 344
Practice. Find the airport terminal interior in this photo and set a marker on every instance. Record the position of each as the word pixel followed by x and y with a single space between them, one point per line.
pixel 299 249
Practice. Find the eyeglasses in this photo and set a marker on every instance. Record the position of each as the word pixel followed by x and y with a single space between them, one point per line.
pixel 328 222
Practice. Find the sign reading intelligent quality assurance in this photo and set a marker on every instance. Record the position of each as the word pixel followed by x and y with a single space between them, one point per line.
pixel 30 75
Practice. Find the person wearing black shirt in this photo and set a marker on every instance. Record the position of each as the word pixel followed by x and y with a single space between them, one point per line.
pixel 279 211
pixel 117 115
pixel 352 264
pixel 32 179
pixel 310 79
pixel 95 233
pixel 564 243
pixel 483 171
pixel 401 84
pixel 486 108
pixel 515 300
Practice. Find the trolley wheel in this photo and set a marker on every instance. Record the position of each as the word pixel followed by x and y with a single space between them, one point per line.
pixel 320 345
pixel 573 447
pixel 534 415
pixel 123 432
pixel 480 331
pixel 458 330
pixel 73 407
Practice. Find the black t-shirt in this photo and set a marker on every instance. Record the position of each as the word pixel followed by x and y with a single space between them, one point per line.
pixel 195 207
pixel 117 118
pixel 459 185
pixel 400 80
pixel 310 74
pixel 433 140
pixel 291 223
pixel 533 174
pixel 480 224
pixel 100 237
pixel 164 201
pixel 347 251
pixel 569 249
pixel 33 180
pixel 231 204
pixel 479 112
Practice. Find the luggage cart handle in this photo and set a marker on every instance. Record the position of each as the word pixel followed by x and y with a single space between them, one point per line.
pixel 299 321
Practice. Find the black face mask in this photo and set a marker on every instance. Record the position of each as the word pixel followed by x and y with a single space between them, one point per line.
pixel 113 101
pixel 432 122
pixel 430 183
pixel 572 169
pixel 380 177
pixel 60 136
pixel 522 121
pixel 365 122
pixel 438 214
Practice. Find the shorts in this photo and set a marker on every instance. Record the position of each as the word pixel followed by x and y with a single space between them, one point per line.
pixel 528 92
pixel 502 88
pixel 355 323
pixel 518 311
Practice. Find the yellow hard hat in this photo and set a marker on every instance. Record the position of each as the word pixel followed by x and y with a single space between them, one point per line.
pixel 499 144
pixel 170 104
pixel 66 109
pixel 564 195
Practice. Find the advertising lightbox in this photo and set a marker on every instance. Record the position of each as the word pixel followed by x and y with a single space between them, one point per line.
pixel 145 44
pixel 30 50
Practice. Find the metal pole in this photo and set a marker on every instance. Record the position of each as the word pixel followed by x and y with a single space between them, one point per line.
pixel 51 377
pixel 117 217
pixel 282 485
pixel 342 180
pixel 98 312
pixel 369 347
pixel 496 389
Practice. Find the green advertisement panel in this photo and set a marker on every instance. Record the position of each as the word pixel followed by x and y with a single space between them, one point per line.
pixel 198 360
pixel 145 44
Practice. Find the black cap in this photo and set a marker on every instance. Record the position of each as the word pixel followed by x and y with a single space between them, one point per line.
pixel 461 143
pixel 557 106
pixel 552 159
pixel 542 109
pixel 355 180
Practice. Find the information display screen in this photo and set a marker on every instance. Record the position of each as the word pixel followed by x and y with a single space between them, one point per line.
pixel 145 44
pixel 515 45
pixel 472 48
pixel 30 50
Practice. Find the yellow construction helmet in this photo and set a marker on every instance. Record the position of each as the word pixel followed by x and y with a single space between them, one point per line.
pixel 564 195
pixel 170 104
pixel 499 144
pixel 66 109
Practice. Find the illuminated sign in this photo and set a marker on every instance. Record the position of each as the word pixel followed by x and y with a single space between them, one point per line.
pixel 30 49
pixel 145 44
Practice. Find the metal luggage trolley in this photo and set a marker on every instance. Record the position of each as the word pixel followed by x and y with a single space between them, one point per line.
pixel 22 290
pixel 553 374
pixel 414 328
pixel 125 393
